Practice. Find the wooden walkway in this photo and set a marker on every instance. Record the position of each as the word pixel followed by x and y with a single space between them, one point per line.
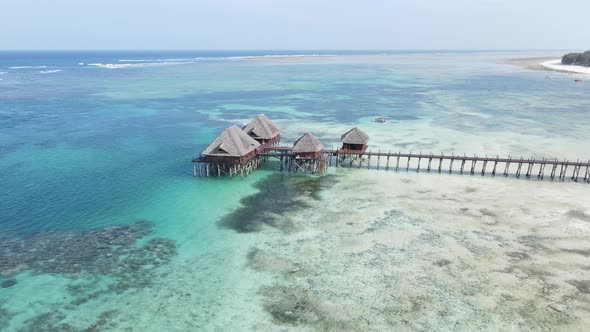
pixel 552 168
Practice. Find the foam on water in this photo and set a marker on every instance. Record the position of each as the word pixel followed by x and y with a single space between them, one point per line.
pixel 27 67
pixel 50 71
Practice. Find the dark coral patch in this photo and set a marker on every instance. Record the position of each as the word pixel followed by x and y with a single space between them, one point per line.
pixel 278 195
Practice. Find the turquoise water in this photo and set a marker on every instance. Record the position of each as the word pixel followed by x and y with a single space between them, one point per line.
pixel 91 144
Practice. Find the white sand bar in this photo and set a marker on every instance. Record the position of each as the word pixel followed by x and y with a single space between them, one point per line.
pixel 556 65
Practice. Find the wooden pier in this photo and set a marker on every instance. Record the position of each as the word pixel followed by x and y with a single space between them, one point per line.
pixel 451 163
pixel 240 151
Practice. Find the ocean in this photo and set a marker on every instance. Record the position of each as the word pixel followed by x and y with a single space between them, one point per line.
pixel 103 227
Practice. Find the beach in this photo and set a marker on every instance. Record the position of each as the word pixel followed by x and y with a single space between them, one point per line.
pixel 556 65
pixel 549 63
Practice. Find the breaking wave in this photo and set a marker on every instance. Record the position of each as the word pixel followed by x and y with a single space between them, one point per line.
pixel 137 65
pixel 28 67
pixel 50 71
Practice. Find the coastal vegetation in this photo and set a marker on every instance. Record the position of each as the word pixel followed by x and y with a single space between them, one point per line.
pixel 580 59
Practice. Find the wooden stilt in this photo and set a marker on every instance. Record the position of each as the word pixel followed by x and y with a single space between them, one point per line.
pixel 387 165
pixel 554 168
pixel 519 167
pixel 419 159
pixel 507 167
pixel 495 165
pixel 541 168
pixel 397 162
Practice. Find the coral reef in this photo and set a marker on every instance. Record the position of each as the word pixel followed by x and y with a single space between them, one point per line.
pixel 278 195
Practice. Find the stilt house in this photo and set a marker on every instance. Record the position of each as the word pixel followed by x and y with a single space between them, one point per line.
pixel 263 130
pixel 307 147
pixel 233 146
pixel 354 140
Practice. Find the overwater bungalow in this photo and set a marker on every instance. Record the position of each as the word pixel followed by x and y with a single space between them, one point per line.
pixel 307 151
pixel 233 152
pixel 354 140
pixel 263 130
pixel 232 146
pixel 307 147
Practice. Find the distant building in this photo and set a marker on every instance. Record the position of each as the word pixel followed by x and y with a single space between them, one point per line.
pixel 263 130
pixel 232 146
pixel 354 140
pixel 308 147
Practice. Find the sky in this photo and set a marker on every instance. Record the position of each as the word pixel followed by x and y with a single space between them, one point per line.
pixel 294 24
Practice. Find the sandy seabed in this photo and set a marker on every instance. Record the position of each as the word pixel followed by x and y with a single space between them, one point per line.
pixel 383 250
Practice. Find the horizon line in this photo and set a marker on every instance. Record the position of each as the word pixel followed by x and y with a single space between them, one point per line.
pixel 282 49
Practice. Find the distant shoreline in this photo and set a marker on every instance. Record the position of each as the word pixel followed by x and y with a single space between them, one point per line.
pixel 549 64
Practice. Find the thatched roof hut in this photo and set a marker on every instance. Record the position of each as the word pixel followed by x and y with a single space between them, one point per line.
pixel 354 140
pixel 232 143
pixel 307 144
pixel 355 136
pixel 262 129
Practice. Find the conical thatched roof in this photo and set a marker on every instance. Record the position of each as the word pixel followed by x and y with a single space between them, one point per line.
pixel 307 143
pixel 261 127
pixel 233 142
pixel 354 136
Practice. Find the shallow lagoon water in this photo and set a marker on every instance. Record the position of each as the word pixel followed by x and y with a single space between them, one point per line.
pixel 88 148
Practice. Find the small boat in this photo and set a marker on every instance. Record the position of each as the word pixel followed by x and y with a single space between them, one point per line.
pixel 578 80
pixel 381 119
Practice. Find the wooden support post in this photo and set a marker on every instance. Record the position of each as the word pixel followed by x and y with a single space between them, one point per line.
pixel 408 164
pixel 462 165
pixel 378 158
pixel 519 167
pixel 574 173
pixel 419 159
pixel 561 172
pixel 553 168
pixel 440 160
pixel 541 168
pixel 587 174
pixel 397 162
pixel 528 169
pixel 387 165
pixel 495 165
pixel 507 167
pixel 483 169
pixel 429 162
pixel 451 165
pixel 369 161
pixel 473 161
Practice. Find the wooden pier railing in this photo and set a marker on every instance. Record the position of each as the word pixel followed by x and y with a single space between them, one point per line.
pixel 530 167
